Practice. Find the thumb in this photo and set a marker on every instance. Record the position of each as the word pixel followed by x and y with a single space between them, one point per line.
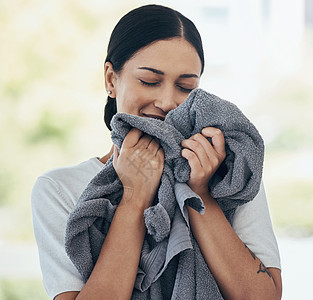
pixel 115 153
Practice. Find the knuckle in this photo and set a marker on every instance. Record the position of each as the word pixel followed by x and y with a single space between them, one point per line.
pixel 155 143
pixel 160 154
pixel 215 161
pixel 191 154
pixel 185 152
pixel 145 137
pixel 202 174
pixel 134 131
pixel 209 168
pixel 223 155
pixel 148 151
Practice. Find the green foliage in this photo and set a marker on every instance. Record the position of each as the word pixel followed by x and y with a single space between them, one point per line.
pixel 51 127
pixel 22 289
pixel 291 106
pixel 291 138
pixel 35 63
pixel 290 187
pixel 85 19
pixel 292 206
pixel 14 88
pixel 6 185
pixel 30 67
pixel 293 93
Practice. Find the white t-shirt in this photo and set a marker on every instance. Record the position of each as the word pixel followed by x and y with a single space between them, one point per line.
pixel 55 194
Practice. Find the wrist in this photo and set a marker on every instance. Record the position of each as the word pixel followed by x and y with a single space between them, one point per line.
pixel 136 202
pixel 206 198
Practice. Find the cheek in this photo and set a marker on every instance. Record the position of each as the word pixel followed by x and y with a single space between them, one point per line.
pixel 131 98
pixel 181 97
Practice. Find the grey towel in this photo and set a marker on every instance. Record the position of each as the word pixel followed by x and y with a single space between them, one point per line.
pixel 170 251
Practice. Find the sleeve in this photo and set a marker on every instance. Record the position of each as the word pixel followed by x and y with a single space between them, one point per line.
pixel 50 210
pixel 253 225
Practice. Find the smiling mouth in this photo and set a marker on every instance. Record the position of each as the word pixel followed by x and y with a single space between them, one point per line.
pixel 155 117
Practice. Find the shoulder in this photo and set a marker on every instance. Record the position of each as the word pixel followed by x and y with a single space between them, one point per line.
pixel 65 184
pixel 78 173
pixel 253 209
pixel 54 195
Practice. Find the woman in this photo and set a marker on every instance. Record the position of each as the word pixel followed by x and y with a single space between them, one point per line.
pixel 154 60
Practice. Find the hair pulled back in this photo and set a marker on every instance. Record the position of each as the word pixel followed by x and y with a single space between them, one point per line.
pixel 141 27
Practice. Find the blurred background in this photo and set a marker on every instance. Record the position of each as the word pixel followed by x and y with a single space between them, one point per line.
pixel 259 55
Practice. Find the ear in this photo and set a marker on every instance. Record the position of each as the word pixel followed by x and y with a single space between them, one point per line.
pixel 110 79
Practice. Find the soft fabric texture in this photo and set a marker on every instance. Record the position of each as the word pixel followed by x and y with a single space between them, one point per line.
pixel 236 182
pixel 55 195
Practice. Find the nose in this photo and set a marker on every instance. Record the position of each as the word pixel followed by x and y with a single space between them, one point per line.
pixel 166 101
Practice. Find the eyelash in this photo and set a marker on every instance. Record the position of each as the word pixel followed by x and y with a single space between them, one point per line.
pixel 156 83
pixel 149 83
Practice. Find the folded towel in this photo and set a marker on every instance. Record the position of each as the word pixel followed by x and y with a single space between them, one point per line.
pixel 236 182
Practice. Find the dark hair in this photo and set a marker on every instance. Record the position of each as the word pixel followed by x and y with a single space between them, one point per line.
pixel 141 27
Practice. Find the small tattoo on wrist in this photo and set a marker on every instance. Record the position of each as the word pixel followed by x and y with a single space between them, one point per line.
pixel 262 269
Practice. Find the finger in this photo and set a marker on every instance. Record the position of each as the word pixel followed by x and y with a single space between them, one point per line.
pixel 159 158
pixel 211 159
pixel 154 145
pixel 144 141
pixel 132 138
pixel 140 149
pixel 198 150
pixel 218 140
pixel 115 154
pixel 160 154
pixel 192 158
pixel 206 145
pixel 116 151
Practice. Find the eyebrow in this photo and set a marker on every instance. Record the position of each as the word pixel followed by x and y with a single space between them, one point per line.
pixel 162 73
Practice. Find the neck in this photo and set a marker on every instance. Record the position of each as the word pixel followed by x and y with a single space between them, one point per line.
pixel 104 158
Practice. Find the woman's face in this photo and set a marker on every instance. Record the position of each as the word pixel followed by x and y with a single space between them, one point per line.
pixel 156 79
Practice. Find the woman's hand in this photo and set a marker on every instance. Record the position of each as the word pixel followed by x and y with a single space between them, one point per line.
pixel 139 165
pixel 203 158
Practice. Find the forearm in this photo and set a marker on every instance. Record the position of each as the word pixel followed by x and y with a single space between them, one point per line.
pixel 114 274
pixel 238 272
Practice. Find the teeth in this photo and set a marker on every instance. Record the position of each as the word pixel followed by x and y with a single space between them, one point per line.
pixel 155 117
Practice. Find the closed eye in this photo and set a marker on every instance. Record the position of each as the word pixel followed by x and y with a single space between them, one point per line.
pixel 149 83
pixel 184 89
pixel 157 83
